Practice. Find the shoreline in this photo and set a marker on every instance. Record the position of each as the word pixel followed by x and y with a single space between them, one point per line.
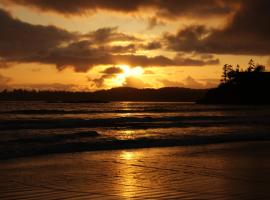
pixel 80 147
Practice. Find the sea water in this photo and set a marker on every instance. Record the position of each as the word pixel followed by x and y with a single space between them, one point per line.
pixel 33 128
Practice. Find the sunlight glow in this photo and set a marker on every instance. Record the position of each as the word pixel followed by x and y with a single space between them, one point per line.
pixel 126 155
pixel 128 71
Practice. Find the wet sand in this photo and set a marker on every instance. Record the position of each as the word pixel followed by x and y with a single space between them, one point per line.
pixel 225 171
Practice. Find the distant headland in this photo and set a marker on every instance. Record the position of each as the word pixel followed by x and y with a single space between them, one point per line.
pixel 241 86
pixel 169 94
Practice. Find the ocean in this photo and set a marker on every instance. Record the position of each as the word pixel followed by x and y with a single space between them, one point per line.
pixel 37 128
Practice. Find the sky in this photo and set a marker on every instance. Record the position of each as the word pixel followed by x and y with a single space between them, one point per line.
pixel 88 45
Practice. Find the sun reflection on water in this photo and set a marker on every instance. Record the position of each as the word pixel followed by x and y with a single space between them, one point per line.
pixel 127 134
pixel 129 172
pixel 127 155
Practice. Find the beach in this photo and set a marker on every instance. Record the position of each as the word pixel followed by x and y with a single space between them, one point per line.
pixel 133 150
pixel 223 171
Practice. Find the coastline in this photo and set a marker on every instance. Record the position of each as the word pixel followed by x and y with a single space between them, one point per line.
pixel 143 143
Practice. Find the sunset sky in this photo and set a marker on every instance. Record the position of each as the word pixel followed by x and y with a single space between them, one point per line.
pixel 100 44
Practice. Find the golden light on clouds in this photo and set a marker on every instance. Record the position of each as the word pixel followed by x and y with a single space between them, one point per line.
pixel 128 71
pixel 181 43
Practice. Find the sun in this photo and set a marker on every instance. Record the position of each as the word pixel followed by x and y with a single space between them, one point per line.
pixel 128 71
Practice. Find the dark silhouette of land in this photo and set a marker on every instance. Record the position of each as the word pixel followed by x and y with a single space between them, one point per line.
pixel 249 86
pixel 102 96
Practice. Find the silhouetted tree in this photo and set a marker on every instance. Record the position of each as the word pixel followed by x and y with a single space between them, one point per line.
pixel 227 69
pixel 237 68
pixel 229 74
pixel 245 86
pixel 251 66
pixel 259 68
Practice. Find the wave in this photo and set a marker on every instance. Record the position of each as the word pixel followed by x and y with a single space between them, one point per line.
pixel 114 144
pixel 134 110
pixel 63 112
pixel 54 138
pixel 131 122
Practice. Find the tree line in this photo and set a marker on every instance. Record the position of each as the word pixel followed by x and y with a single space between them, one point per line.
pixel 229 72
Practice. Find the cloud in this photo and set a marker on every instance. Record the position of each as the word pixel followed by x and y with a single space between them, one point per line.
pixel 111 73
pixel 19 39
pixel 109 34
pixel 145 61
pixel 169 83
pixel 82 56
pixel 5 83
pixel 108 73
pixel 152 45
pixel 135 83
pixel 154 22
pixel 21 42
pixel 112 70
pixel 131 48
pixel 210 83
pixel 246 34
pixel 165 8
pixel 51 86
pixel 185 61
pixel 100 82
pixel 190 82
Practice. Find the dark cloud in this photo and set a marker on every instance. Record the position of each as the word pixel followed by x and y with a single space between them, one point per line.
pixel 247 33
pixel 112 70
pixel 20 39
pixel 207 56
pixel 144 61
pixel 185 61
pixel 100 82
pixel 22 43
pixel 108 73
pixel 167 8
pixel 82 56
pixel 152 45
pixel 128 82
pixel 79 55
pixel 131 48
pixel 109 34
pixel 82 6
pixel 196 8
pixel 154 22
